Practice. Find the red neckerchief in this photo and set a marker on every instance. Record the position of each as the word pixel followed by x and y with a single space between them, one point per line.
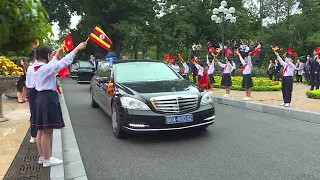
pixel 36 68
pixel 285 70
pixel 225 67
pixel 244 67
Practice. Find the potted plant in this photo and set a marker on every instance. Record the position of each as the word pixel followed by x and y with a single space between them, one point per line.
pixel 9 76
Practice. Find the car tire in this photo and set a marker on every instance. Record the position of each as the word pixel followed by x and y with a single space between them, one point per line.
pixel 93 102
pixel 116 122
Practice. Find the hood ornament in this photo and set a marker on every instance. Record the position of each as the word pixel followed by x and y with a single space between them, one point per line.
pixel 173 89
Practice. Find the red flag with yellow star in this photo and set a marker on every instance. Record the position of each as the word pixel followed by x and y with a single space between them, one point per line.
pixel 68 44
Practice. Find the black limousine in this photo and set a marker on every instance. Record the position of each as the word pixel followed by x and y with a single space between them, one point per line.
pixel 150 96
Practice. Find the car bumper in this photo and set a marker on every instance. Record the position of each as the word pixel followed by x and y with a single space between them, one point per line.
pixel 149 121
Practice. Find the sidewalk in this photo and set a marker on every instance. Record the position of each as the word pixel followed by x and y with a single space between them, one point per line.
pixel 12 132
pixel 299 98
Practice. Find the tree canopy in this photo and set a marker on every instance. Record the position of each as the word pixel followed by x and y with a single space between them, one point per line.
pixel 21 23
pixel 147 28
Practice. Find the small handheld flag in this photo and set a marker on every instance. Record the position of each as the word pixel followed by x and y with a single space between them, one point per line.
pixel 290 52
pixel 67 44
pixel 255 52
pixel 99 37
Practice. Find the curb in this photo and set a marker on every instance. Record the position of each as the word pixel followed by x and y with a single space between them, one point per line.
pixel 307 116
pixel 65 146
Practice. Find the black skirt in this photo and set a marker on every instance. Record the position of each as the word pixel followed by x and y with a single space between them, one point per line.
pixel 32 98
pixel 247 81
pixel 226 80
pixel 21 83
pixel 47 111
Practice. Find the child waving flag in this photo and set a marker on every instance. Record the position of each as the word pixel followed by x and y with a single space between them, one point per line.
pixel 226 76
pixel 185 71
pixel 247 83
pixel 287 79
pixel 47 114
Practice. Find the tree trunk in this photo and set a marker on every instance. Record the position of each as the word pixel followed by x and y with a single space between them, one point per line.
pixel 277 11
pixel 135 53
pixel 158 52
pixel 261 15
pixel 116 46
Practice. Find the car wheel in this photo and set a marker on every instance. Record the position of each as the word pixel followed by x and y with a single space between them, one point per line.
pixel 93 102
pixel 116 124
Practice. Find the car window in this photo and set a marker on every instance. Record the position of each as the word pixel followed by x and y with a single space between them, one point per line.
pixel 85 65
pixel 143 71
pixel 105 70
pixel 73 67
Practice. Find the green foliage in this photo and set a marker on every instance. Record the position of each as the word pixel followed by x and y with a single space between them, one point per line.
pixel 315 94
pixel 139 31
pixel 22 21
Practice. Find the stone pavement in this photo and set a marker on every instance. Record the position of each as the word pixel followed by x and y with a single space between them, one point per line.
pixel 299 99
pixel 12 132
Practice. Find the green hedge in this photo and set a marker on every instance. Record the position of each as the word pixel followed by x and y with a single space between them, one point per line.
pixel 259 83
pixel 315 94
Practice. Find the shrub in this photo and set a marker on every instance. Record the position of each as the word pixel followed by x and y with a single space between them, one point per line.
pixel 259 83
pixel 315 94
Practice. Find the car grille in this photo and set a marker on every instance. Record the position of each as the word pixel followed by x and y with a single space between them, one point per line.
pixel 175 103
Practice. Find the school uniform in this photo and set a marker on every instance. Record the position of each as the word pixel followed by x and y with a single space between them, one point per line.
pixel 176 68
pixel 226 76
pixel 210 71
pixel 185 72
pixel 200 71
pixel 47 111
pixel 30 84
pixel 246 73
pixel 287 79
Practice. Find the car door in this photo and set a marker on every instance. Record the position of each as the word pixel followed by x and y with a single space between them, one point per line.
pixel 104 74
pixel 85 71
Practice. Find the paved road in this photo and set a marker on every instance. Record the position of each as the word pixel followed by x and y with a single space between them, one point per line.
pixel 242 144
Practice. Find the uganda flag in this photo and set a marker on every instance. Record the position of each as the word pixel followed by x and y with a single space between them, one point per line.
pixel 99 37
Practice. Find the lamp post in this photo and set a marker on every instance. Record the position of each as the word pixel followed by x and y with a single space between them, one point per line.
pixel 221 16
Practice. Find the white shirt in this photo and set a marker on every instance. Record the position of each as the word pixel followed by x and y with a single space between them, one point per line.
pixel 186 68
pixel 194 47
pixel 45 76
pixel 247 49
pixel 200 69
pixel 30 79
pixel 288 67
pixel 176 68
pixel 228 68
pixel 210 67
pixel 247 69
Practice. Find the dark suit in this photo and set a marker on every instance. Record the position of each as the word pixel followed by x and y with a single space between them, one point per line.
pixel 276 72
pixel 94 64
pixel 314 73
pixel 307 68
pixel 194 71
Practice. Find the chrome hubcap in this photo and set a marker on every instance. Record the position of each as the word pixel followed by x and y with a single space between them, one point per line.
pixel 114 120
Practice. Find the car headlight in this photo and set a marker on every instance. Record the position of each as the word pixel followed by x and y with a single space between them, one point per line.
pixel 131 103
pixel 206 99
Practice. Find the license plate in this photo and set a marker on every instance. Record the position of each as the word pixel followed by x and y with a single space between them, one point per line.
pixel 179 119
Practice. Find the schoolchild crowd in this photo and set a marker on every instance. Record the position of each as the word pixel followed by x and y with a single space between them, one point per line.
pixel 202 74
pixel 43 97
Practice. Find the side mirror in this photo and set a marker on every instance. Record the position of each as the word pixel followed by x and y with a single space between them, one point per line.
pixel 103 79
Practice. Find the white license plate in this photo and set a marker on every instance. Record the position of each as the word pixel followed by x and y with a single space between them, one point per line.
pixel 175 119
